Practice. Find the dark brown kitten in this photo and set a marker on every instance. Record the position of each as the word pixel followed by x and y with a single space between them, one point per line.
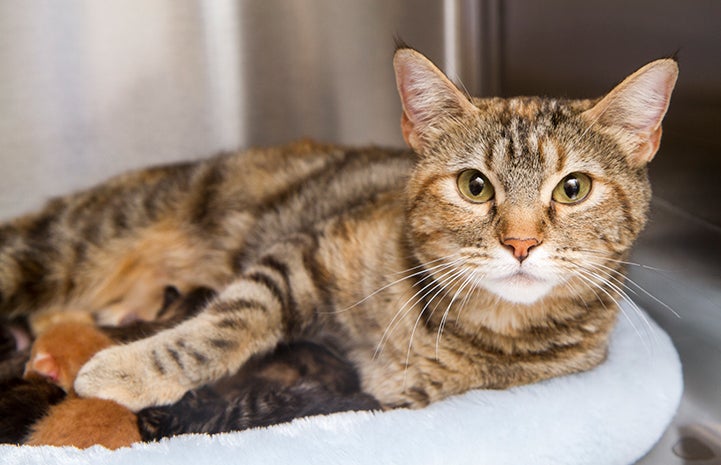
pixel 22 403
pixel 296 380
pixel 176 308
pixel 15 342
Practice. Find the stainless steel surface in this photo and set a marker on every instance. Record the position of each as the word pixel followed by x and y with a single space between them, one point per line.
pixel 89 89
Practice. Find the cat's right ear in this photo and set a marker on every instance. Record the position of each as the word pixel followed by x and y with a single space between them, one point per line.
pixel 430 100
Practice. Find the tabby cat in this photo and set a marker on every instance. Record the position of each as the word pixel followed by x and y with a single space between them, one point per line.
pixel 488 256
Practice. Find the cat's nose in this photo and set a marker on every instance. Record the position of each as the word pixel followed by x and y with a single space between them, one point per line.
pixel 520 247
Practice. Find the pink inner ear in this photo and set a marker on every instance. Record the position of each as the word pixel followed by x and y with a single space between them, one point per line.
pixel 413 89
pixel 44 364
pixel 429 99
pixel 640 102
pixel 407 130
pixel 636 108
pixel 650 98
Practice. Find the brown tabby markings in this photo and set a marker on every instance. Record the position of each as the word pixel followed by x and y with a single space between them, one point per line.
pixel 377 253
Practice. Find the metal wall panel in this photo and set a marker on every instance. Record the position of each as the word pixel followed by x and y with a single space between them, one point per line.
pixel 89 89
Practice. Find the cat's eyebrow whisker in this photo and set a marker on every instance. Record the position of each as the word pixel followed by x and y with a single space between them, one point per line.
pixel 440 267
pixel 638 286
pixel 403 313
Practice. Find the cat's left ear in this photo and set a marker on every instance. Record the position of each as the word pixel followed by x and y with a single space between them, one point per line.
pixel 634 109
pixel 430 100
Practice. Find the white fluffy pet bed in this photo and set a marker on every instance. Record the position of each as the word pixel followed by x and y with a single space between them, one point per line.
pixel 611 415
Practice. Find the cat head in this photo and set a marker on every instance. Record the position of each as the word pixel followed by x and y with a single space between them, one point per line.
pixel 526 197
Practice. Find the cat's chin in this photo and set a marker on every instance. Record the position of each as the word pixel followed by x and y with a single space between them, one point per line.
pixel 519 288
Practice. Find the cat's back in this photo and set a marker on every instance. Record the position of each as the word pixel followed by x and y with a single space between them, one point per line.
pixel 299 187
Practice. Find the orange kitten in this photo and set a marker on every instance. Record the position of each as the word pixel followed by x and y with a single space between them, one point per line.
pixel 58 354
pixel 86 422
pixel 60 351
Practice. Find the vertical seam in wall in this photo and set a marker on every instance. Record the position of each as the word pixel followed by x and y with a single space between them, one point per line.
pixel 450 38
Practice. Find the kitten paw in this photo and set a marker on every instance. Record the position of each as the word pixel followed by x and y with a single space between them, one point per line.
pixel 123 374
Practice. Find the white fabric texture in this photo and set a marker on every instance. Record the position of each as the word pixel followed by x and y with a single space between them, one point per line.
pixel 612 414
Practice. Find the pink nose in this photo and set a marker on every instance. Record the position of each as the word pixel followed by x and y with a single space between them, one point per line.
pixel 520 247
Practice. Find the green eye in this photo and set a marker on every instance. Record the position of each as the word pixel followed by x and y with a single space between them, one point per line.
pixel 475 186
pixel 572 189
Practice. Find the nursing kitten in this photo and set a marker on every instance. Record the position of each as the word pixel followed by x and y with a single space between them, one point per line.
pixel 22 403
pixel 85 422
pixel 293 381
pixel 489 256
pixel 35 410
pixel 49 371
pixel 58 354
pixel 15 342
pixel 62 349
pixel 176 309
pixel 296 380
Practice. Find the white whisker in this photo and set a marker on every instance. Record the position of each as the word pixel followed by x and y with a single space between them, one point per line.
pixel 674 312
pixel 590 276
pixel 448 310
pixel 447 282
pixel 634 306
pixel 468 295
pixel 433 284
pixel 608 257
pixel 426 271
pixel 425 265
pixel 438 290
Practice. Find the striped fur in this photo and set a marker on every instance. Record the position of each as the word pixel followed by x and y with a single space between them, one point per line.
pixel 374 252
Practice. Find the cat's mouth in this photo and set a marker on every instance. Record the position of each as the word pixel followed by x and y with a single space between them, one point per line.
pixel 520 278
pixel 519 286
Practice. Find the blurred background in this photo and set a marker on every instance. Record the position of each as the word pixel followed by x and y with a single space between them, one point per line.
pixel 89 89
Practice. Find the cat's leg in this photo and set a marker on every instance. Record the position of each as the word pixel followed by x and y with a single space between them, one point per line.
pixel 270 300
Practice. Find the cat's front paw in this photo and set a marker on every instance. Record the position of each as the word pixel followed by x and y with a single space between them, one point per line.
pixel 123 374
